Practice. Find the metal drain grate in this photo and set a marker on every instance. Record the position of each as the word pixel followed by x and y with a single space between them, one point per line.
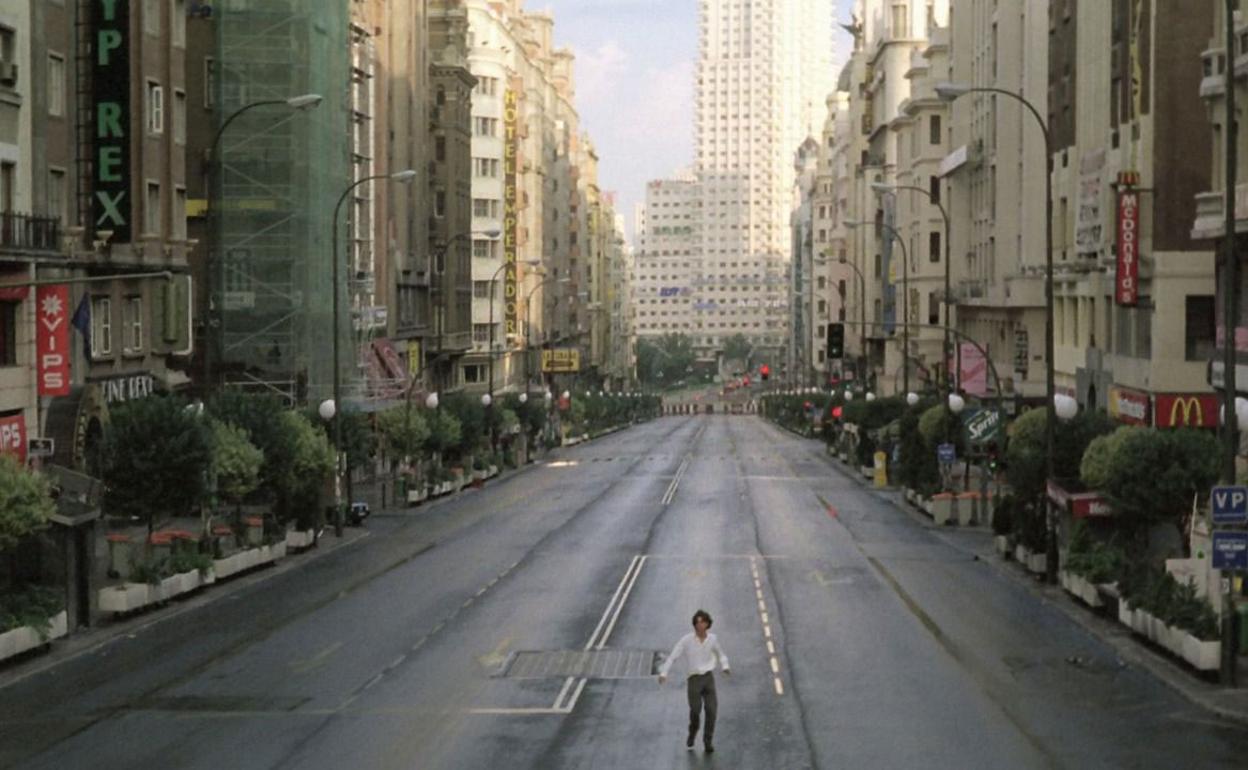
pixel 592 664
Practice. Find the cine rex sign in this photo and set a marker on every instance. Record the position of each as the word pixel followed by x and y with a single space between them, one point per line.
pixel 110 93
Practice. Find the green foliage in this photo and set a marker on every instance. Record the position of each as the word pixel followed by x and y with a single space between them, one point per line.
pixel 468 410
pixel 404 431
pixel 1026 461
pixel 1097 561
pixel 306 465
pixel 155 454
pixel 261 417
pixel 1154 475
pixel 665 361
pixel 576 415
pixel 737 348
pixel 147 570
pixel 1155 591
pixel 1096 465
pixel 25 502
pixel 31 605
pixel 188 560
pixel 236 462
pixel 444 432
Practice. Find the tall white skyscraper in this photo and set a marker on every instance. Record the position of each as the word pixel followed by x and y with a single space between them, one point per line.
pixel 764 71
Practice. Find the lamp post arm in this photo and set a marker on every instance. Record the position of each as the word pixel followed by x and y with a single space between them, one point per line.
pixel 216 138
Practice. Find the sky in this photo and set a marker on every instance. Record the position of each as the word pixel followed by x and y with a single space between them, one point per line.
pixel 634 84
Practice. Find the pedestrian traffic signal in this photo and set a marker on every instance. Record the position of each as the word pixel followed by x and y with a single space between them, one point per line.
pixel 836 340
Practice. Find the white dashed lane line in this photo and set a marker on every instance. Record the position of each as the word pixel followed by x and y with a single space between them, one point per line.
pixel 762 613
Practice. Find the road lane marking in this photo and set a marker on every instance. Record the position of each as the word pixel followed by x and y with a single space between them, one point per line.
pixel 670 494
pixel 620 606
pixel 606 613
pixel 771 647
pixel 322 657
pixel 775 665
pixel 773 661
pixel 779 686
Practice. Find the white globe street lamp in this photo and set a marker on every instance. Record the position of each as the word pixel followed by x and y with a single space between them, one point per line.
pixel 870 396
pixel 956 403
pixel 524 398
pixel 849 395
pixel 1064 406
pixel 486 400
pixel 431 401
pixel 912 398
pixel 327 409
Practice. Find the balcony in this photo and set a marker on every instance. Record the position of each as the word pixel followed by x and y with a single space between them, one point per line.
pixel 26 233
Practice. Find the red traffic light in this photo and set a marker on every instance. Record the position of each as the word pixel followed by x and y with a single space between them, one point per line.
pixel 838 411
pixel 765 371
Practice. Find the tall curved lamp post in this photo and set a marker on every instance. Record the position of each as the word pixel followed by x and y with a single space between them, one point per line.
pixel 301 103
pixel 493 278
pixel 405 177
pixel 950 92
pixel 879 187
pixel 905 298
pixel 528 322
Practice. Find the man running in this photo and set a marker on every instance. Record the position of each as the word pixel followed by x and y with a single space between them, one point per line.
pixel 700 651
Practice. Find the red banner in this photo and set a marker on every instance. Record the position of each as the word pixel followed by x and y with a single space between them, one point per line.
pixel 13 436
pixel 52 339
pixel 1128 279
pixel 1187 410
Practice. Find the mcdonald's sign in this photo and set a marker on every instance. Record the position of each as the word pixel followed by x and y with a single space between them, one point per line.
pixel 1186 410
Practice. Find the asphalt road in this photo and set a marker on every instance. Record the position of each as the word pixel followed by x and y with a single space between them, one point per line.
pixel 859 636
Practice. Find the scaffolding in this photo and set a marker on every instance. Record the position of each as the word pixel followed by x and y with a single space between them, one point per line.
pixel 279 175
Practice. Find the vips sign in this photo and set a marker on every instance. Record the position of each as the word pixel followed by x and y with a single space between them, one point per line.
pixel 1127 284
pixel 1129 406
pixel 1187 410
pixel 110 94
pixel 13 436
pixel 52 340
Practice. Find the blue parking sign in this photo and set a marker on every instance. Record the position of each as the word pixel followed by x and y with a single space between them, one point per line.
pixel 1229 505
pixel 946 454
pixel 1230 550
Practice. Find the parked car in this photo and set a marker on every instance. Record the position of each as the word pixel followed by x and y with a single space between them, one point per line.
pixel 358 513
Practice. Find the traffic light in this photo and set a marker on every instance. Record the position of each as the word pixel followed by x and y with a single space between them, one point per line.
pixel 836 340
pixel 764 371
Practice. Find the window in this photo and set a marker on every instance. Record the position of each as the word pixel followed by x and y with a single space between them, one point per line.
pixel 933 308
pixel 56 85
pixel 210 82
pixel 486 167
pixel 1200 333
pixel 475 373
pixel 933 127
pixel 151 209
pixel 155 108
pixel 934 189
pixel 179 117
pixel 901 19
pixel 179 213
pixel 933 247
pixel 481 289
pixel 101 327
pixel 484 249
pixel 485 208
pixel 439 203
pixel 487 86
pixel 132 325
pixel 56 194
pixel 439 149
pixel 8 333
pixel 178 16
pixel 151 17
pixel 485 127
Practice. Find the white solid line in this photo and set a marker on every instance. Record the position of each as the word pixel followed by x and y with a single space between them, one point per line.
pixel 605 613
pixel 767 630
pixel 517 711
pixel 779 687
pixel 576 695
pixel 372 682
pixel 775 665
pixel 619 607
pixel 567 683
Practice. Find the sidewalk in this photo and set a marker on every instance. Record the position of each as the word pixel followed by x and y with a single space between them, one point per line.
pixel 1229 703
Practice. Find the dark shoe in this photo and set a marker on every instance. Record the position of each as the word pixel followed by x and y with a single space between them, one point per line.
pixel 710 749
pixel 689 743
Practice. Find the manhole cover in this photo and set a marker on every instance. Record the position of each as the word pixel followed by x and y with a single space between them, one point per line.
pixel 592 664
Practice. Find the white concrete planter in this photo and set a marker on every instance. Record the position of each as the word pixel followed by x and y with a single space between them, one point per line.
pixel 910 495
pixel 1021 553
pixel 417 495
pixel 19 640
pixel 1036 563
pixel 245 560
pixel 1002 542
pixel 297 539
pixel 492 472
pixel 1126 615
pixel 1081 589
pixel 169 588
pixel 942 509
pixel 1204 656
pixel 126 597
pixel 867 471
pixel 927 506
pixel 842 457
pixel 478 475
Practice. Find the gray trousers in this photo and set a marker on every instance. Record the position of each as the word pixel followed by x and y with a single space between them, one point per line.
pixel 701 689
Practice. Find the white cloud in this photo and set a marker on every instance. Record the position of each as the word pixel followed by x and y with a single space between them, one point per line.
pixel 599 73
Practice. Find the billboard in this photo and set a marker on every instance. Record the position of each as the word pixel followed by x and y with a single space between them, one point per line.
pixel 1129 406
pixel 511 208
pixel 561 360
pixel 1127 281
pixel 52 339
pixel 111 206
pixel 1187 410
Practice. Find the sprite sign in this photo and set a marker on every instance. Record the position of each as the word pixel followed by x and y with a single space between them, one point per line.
pixel 982 426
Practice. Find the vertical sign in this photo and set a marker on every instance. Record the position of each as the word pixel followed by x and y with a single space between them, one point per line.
pixel 1127 284
pixel 13 436
pixel 52 339
pixel 111 205
pixel 511 148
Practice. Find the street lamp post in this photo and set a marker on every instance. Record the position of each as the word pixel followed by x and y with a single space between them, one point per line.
pixel 528 323
pixel 905 299
pixel 493 278
pixel 302 102
pixel 862 313
pixel 944 214
pixel 949 92
pixel 405 177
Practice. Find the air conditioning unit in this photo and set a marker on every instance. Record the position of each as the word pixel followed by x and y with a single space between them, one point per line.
pixel 8 73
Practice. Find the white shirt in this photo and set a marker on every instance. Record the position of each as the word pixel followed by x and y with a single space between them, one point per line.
pixel 699 655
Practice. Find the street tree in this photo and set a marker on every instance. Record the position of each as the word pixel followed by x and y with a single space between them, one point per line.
pixel 404 431
pixel 305 466
pixel 155 453
pixel 737 348
pixel 25 502
pixel 236 463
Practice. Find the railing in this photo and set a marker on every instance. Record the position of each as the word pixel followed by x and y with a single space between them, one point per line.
pixel 29 233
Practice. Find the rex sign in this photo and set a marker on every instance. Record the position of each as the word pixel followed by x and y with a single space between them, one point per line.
pixel 1187 410
pixel 110 96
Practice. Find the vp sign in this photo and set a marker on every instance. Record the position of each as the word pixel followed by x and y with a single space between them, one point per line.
pixel 1229 505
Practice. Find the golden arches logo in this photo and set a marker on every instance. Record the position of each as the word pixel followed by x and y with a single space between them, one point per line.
pixel 1188 404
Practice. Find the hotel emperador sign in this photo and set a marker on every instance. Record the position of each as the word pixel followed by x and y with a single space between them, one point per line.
pixel 110 93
